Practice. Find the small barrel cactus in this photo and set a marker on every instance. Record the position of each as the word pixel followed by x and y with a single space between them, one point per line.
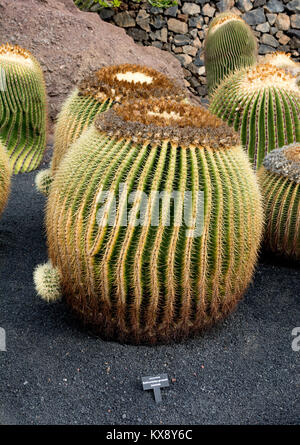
pixel 100 90
pixel 229 45
pixel 280 183
pixel 154 220
pixel 5 173
pixel 23 115
pixel 263 104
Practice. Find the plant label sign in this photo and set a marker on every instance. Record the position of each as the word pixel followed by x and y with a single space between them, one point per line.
pixel 155 383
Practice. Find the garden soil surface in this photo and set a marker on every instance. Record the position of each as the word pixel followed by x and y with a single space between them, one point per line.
pixel 244 371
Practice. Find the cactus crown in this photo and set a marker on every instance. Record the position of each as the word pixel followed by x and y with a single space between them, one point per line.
pixel 157 120
pixel 265 75
pixel 280 59
pixel 223 18
pixel 128 81
pixel 285 161
pixel 15 53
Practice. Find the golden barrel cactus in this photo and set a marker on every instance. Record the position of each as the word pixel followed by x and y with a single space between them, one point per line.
pixel 263 104
pixel 280 183
pixel 229 45
pixel 154 220
pixel 23 109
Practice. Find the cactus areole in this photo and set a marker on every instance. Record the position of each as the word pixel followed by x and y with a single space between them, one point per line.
pixel 280 181
pixel 263 104
pixel 153 221
pixel 99 90
pixel 229 45
pixel 23 116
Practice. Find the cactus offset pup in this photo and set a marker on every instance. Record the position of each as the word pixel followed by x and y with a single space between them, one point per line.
pixel 22 108
pixel 133 264
pixel 229 45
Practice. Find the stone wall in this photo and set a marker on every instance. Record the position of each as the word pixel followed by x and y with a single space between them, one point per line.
pixel 181 29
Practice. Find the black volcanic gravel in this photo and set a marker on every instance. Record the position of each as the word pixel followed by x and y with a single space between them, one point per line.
pixel 243 371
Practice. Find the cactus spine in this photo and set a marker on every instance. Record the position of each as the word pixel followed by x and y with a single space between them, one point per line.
pixel 280 183
pixel 263 104
pixel 22 108
pixel 5 173
pixel 229 45
pixel 139 279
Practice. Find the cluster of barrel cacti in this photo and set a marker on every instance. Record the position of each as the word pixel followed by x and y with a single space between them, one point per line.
pixel 155 214
pixel 23 109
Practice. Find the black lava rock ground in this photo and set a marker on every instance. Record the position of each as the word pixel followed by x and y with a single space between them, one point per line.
pixel 243 371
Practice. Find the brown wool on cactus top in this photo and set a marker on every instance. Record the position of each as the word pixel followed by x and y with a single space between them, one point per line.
pixel 128 81
pixel 156 120
pixel 224 18
pixel 285 161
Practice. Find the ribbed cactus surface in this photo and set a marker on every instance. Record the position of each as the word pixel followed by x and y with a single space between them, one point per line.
pixel 280 184
pixel 263 104
pixel 23 114
pixel 133 264
pixel 100 90
pixel 5 172
pixel 229 45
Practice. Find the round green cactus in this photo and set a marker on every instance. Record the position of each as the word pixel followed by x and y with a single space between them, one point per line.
pixel 280 183
pixel 5 173
pixel 23 114
pixel 229 45
pixel 263 104
pixel 154 219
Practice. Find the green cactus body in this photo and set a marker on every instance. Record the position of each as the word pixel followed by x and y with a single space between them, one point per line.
pixel 229 45
pixel 100 90
pixel 139 272
pixel 263 104
pixel 280 184
pixel 5 173
pixel 23 115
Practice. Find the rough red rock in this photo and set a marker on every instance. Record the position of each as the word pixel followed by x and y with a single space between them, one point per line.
pixel 66 40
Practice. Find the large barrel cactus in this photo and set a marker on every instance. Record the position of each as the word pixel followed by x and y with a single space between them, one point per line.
pixel 263 104
pixel 154 220
pixel 23 116
pixel 280 183
pixel 5 172
pixel 229 45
